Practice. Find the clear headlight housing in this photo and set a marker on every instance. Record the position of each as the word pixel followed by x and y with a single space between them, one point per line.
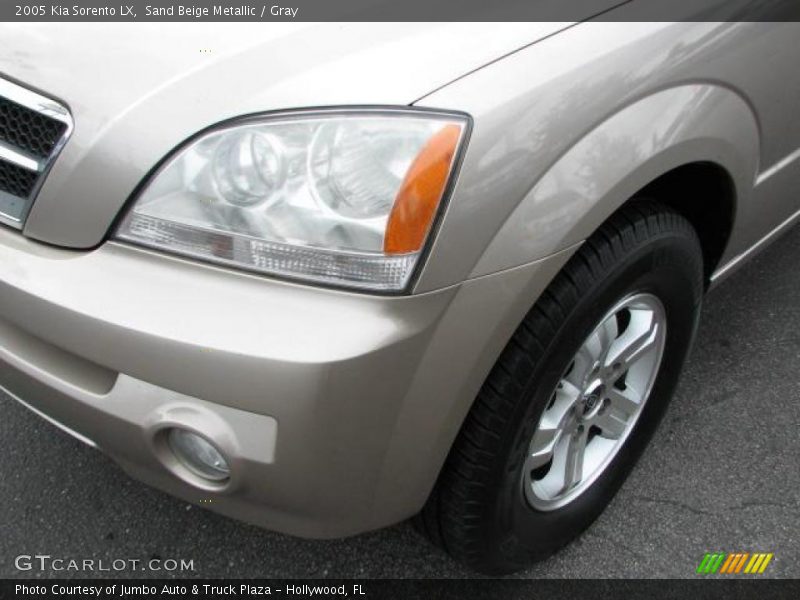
pixel 345 198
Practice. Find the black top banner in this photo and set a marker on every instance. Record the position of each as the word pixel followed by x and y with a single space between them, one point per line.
pixel 399 10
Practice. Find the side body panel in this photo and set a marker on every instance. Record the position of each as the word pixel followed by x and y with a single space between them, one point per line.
pixel 566 130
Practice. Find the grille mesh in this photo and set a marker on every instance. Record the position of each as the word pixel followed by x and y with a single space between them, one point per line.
pixel 28 130
pixel 16 180
pixel 33 128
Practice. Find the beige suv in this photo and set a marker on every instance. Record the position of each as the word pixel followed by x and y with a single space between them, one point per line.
pixel 334 276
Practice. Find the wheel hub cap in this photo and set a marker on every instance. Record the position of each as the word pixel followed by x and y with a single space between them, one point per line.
pixel 592 402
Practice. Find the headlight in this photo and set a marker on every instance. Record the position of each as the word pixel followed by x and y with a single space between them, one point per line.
pixel 345 198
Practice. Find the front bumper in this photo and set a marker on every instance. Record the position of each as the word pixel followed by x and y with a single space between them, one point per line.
pixel 335 410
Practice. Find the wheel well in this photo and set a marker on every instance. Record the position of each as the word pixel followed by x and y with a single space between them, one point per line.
pixel 704 193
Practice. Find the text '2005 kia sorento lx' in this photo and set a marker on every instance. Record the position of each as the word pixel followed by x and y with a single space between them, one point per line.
pixel 443 270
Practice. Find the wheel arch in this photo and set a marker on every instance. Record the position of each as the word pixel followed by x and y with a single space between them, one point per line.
pixel 696 135
pixel 705 194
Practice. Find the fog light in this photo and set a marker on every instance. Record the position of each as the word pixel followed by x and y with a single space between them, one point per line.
pixel 198 455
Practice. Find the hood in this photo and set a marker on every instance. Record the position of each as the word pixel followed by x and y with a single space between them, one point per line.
pixel 138 90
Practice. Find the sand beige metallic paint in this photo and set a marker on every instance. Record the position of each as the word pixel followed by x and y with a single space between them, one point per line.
pixel 306 388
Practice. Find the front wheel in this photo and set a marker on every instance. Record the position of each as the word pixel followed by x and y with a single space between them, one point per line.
pixel 576 395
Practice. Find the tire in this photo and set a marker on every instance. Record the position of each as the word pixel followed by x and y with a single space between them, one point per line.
pixel 482 508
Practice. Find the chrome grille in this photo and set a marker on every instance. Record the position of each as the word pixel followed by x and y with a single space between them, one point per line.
pixel 33 129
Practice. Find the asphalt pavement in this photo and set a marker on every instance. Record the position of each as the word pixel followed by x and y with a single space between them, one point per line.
pixel 722 474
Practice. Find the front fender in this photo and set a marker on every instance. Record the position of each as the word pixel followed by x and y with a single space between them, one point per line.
pixel 567 129
pixel 652 136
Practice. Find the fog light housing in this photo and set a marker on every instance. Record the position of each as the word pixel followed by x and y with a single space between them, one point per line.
pixel 198 455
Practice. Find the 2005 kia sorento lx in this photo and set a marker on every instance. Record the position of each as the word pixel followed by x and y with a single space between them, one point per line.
pixel 463 282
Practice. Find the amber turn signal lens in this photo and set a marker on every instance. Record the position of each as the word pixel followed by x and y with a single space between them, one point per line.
pixel 420 193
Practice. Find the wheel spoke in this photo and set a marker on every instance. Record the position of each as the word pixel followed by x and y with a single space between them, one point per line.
pixel 582 365
pixel 566 393
pixel 612 424
pixel 551 425
pixel 602 338
pixel 625 401
pixel 576 449
pixel 594 350
pixel 608 333
pixel 640 337
pixel 613 419
pixel 542 447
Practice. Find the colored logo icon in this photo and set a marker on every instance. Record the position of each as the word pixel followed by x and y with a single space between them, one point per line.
pixel 734 563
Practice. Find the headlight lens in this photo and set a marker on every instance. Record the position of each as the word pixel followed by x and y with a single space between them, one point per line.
pixel 344 198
